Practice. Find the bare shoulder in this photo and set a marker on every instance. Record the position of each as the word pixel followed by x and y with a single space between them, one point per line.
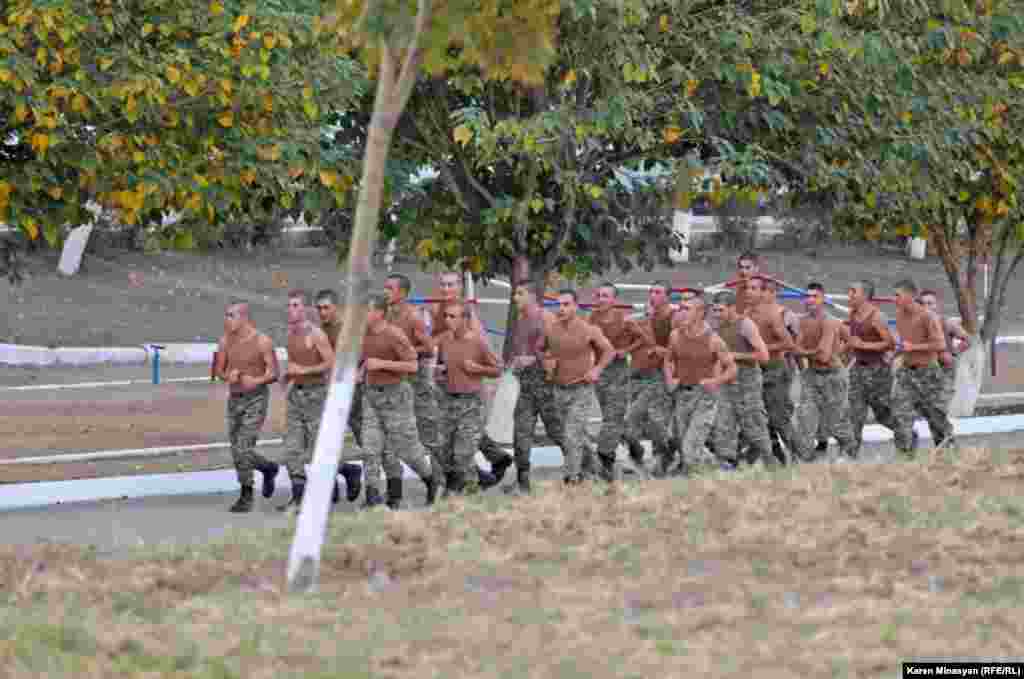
pixel 264 341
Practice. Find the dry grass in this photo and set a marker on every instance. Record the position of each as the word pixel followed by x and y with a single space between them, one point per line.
pixel 818 571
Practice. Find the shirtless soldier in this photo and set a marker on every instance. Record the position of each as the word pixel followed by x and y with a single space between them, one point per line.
pixel 957 340
pixel 920 384
pixel 570 362
pixel 697 365
pixel 451 293
pixel 870 375
pixel 246 361
pixel 327 308
pixel 310 360
pixel 823 385
pixel 464 357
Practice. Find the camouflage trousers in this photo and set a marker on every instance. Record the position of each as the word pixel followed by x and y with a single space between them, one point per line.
pixel 870 387
pixel 921 389
pixel 949 372
pixel 427 407
pixel 651 405
pixel 777 383
pixel 573 402
pixel 613 397
pixel 460 432
pixel 741 409
pixel 536 399
pixel 825 391
pixel 246 414
pixel 305 408
pixel 695 411
pixel 389 433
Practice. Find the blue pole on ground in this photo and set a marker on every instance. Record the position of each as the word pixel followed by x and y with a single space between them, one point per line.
pixel 156 361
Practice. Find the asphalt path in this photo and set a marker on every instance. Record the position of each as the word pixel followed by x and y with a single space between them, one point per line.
pixel 122 524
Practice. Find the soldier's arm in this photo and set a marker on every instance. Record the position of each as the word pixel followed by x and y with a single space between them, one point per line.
pixel 270 374
pixel 603 347
pixel 324 351
pixel 936 337
pixel 887 343
pixel 760 353
pixel 779 329
pixel 220 363
pixel 823 352
pixel 799 348
pixel 488 362
pixel 668 367
pixel 725 370
pixel 406 362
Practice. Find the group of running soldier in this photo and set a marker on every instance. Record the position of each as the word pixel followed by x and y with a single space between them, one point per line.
pixel 707 381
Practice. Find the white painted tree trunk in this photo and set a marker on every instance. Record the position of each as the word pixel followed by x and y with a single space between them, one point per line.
pixel 970 375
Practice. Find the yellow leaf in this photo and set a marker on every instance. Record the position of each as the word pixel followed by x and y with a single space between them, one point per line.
pixel 247 177
pixel 268 102
pixel 906 117
pixel 20 112
pixel 425 248
pixel 139 157
pixel 462 134
pixel 226 119
pixel 671 134
pixel 173 74
pixel 328 178
pixel 147 29
pixel 569 77
pixel 823 68
pixel 537 204
pixel 216 8
pixel 41 56
pixel 594 191
pixel 191 88
pixel 754 89
pixel 5 75
pixel 31 228
pixel 225 86
pixel 55 192
pixel 691 87
pixel 105 63
pixel 1005 58
pixel 40 142
pixel 269 41
pixel 663 23
pixel 79 104
pixel 307 92
pixel 240 23
pixel 5 192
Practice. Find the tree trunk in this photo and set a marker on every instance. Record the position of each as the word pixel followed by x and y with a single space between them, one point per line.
pixel 970 376
pixel 393 89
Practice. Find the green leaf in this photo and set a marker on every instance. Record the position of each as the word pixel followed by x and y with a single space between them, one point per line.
pixel 184 241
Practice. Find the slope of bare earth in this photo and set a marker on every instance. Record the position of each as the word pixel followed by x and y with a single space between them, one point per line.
pixel 175 297
pixel 821 570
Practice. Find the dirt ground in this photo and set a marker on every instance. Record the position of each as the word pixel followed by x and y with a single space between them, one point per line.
pixel 178 297
pixel 842 571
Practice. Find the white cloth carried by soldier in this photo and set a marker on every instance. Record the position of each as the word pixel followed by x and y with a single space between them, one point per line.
pixel 501 421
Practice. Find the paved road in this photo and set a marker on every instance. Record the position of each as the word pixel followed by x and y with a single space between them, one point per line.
pixel 113 525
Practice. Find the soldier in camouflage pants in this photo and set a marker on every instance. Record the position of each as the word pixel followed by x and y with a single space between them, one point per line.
pixel 613 397
pixel 922 389
pixel 650 405
pixel 390 435
pixel 777 381
pixel 573 401
pixel 741 408
pixel 870 386
pixel 825 389
pixel 460 432
pixel 536 399
pixel 246 414
pixel 305 408
pixel 696 409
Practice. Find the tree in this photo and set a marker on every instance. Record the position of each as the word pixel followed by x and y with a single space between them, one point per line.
pixel 933 147
pixel 212 110
pixel 504 38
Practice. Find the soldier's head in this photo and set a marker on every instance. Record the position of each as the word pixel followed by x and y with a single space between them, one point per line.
pixel 814 300
pixel 659 294
pixel 236 316
pixel 860 293
pixel 298 301
pixel 327 305
pixel 567 304
pixel 377 307
pixel 451 286
pixel 906 294
pixel 692 310
pixel 397 287
pixel 606 296
pixel 457 317
pixel 524 297
pixel 756 289
pixel 723 306
pixel 929 299
pixel 748 265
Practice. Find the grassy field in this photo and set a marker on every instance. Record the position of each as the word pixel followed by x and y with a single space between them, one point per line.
pixel 819 570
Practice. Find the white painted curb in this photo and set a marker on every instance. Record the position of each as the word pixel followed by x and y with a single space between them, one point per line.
pixel 23 495
pixel 172 353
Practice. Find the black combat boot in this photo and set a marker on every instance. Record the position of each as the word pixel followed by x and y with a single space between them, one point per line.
pixel 244 502
pixel 298 490
pixel 373 498
pixel 395 493
pixel 498 470
pixel 450 482
pixel 636 454
pixel 353 475
pixel 433 482
pixel 269 471
pixel 607 470
pixel 523 480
